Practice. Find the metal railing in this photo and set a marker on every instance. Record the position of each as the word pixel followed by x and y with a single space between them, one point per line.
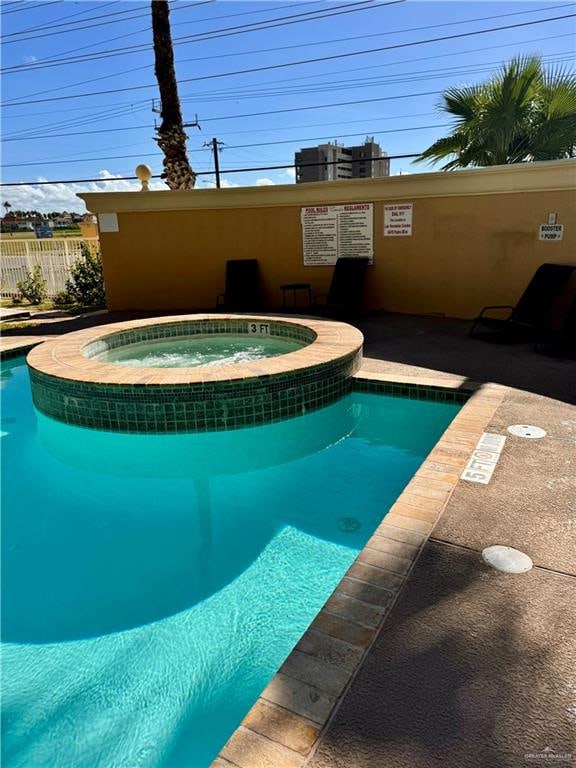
pixel 55 257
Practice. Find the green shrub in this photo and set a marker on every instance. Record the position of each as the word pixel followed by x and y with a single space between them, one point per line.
pixel 86 283
pixel 63 299
pixel 33 288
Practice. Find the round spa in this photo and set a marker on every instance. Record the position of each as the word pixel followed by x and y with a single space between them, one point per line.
pixel 193 373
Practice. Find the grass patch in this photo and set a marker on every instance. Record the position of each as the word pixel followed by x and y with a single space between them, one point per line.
pixel 32 236
pixel 48 305
pixel 17 326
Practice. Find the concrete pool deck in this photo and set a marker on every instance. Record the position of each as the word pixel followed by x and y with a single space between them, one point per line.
pixel 469 667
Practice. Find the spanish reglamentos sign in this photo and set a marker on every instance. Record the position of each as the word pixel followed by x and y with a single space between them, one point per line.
pixel 398 220
pixel 330 232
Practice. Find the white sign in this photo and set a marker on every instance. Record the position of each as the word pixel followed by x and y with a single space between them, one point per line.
pixel 259 329
pixel 551 232
pixel 398 220
pixel 333 231
pixel 108 222
pixel 484 459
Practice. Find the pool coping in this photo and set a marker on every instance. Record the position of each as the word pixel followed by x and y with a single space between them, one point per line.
pixel 285 725
pixel 61 357
pixel 16 346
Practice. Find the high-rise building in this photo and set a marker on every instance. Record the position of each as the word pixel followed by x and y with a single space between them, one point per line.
pixel 329 162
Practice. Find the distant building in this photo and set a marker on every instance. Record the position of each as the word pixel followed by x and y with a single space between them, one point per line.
pixel 63 220
pixel 329 162
pixel 14 223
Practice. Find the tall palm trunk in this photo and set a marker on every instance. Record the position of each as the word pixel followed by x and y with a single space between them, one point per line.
pixel 171 135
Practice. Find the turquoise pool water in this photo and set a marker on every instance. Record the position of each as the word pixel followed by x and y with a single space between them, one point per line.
pixel 152 585
pixel 191 351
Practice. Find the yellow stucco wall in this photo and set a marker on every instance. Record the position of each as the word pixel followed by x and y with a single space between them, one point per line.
pixel 474 242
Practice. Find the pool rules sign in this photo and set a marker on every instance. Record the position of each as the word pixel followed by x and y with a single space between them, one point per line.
pixel 333 231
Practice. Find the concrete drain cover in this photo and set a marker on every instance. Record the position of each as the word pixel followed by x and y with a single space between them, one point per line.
pixel 526 430
pixel 507 559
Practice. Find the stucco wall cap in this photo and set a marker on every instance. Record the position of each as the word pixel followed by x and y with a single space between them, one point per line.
pixel 556 175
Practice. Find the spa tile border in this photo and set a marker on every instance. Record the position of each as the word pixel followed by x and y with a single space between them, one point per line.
pixel 70 385
pixel 285 725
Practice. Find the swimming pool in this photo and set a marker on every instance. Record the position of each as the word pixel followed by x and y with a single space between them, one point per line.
pixel 153 584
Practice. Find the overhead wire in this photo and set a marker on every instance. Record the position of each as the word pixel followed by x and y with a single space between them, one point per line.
pixel 358 5
pixel 202 95
pixel 31 6
pixel 288 47
pixel 125 35
pixel 333 57
pixel 259 144
pixel 53 21
pixel 342 85
pixel 201 173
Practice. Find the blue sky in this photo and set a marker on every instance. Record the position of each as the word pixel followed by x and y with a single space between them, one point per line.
pixel 53 130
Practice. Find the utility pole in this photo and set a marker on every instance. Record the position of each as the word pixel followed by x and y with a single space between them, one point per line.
pixel 215 150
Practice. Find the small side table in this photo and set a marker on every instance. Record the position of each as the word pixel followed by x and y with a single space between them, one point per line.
pixel 295 287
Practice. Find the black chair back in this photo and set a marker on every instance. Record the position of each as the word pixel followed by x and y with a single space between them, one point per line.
pixel 347 284
pixel 242 284
pixel 545 288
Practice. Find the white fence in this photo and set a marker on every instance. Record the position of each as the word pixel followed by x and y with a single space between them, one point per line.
pixel 55 257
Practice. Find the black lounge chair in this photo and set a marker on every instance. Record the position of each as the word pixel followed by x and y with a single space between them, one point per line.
pixel 242 288
pixel 344 297
pixel 532 311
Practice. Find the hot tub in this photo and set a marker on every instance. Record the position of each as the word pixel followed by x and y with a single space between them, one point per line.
pixel 277 368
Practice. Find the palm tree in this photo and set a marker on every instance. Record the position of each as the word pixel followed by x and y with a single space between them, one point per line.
pixel 171 135
pixel 7 206
pixel 523 113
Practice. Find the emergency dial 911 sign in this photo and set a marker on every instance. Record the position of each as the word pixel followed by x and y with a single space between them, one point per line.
pixel 398 220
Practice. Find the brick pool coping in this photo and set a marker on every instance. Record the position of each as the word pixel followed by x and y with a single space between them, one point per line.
pixel 71 385
pixel 285 725
pixel 62 356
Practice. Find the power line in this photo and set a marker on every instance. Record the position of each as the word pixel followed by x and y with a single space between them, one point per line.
pixel 83 158
pixel 201 96
pixel 250 114
pixel 212 34
pixel 53 21
pixel 316 60
pixel 57 56
pixel 299 140
pixel 200 173
pixel 113 112
pixel 76 28
pixel 31 7
pixel 140 15
pixel 296 88
pixel 288 47
pixel 150 66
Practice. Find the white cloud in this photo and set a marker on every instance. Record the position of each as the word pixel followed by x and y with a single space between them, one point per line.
pixel 290 172
pixel 29 59
pixel 210 181
pixel 265 183
pixel 60 197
